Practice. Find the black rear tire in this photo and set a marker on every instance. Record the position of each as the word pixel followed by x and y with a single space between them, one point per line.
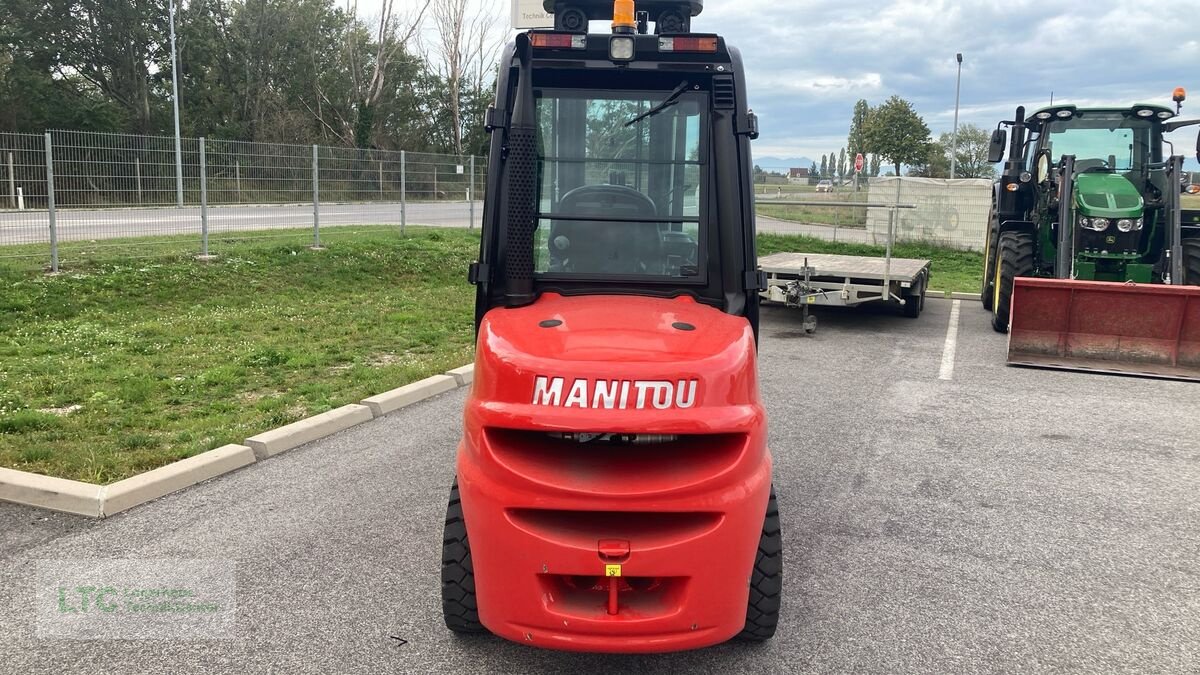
pixel 766 583
pixel 459 608
pixel 1015 258
pixel 1191 262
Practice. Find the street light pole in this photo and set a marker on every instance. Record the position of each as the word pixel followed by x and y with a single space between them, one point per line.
pixel 175 97
pixel 954 141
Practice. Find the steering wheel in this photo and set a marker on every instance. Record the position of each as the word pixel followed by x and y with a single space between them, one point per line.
pixel 601 200
pixel 593 246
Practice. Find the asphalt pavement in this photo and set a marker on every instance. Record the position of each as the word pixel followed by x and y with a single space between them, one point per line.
pixel 996 520
pixel 75 224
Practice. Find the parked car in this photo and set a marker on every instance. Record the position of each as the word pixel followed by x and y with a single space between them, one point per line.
pixel 825 186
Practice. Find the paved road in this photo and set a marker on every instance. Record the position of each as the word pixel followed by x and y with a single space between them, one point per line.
pixel 1002 520
pixel 32 227
pixel 86 224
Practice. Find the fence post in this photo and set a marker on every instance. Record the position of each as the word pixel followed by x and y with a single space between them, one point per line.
pixel 381 197
pixel 471 195
pixel 403 191
pixel 50 205
pixel 12 181
pixel 237 177
pixel 137 166
pixel 203 203
pixel 316 175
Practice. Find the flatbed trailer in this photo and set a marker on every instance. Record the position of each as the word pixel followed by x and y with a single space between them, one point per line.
pixel 821 279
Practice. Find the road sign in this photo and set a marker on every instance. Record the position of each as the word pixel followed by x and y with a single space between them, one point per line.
pixel 858 162
pixel 530 14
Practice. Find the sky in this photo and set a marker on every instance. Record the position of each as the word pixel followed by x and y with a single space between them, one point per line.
pixel 808 62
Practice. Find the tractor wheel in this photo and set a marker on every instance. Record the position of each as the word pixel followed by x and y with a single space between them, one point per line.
pixel 1014 259
pixel 766 583
pixel 1191 262
pixel 458 576
pixel 988 290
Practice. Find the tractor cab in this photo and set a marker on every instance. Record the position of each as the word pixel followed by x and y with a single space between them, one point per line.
pixel 613 485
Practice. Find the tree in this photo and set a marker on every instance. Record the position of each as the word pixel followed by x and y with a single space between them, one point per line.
pixel 843 170
pixel 936 163
pixel 874 165
pixel 897 133
pixel 824 165
pixel 467 52
pixel 814 172
pixel 857 142
pixel 971 153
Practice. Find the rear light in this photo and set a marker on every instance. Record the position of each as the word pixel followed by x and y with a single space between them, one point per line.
pixel 558 41
pixel 621 48
pixel 688 44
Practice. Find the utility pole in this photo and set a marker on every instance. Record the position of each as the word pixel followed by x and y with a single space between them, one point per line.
pixel 175 98
pixel 954 141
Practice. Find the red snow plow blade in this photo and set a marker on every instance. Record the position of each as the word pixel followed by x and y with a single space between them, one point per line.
pixel 1127 329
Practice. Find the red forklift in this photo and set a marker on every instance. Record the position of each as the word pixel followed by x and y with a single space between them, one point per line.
pixel 613 489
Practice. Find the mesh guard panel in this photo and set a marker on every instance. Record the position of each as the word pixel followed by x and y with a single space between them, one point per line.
pixel 521 177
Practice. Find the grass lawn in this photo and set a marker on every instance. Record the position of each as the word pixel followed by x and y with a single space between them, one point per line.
pixel 953 270
pixel 123 364
pixel 120 365
pixel 821 215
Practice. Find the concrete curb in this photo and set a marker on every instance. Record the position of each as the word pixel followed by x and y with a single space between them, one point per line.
pixel 294 435
pixel 47 492
pixel 409 394
pixel 139 489
pixel 99 501
pixel 464 375
pixel 947 295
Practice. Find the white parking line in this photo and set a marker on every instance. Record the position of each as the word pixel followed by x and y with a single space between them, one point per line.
pixel 951 344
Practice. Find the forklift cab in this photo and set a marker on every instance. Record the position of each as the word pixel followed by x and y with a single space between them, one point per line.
pixel 641 169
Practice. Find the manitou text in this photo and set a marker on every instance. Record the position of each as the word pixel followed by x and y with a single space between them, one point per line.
pixel 614 394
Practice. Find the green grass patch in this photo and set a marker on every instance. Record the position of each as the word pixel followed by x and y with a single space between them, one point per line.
pixel 120 365
pixel 839 216
pixel 953 270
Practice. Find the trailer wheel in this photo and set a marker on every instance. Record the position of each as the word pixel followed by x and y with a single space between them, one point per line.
pixel 914 304
pixel 1191 262
pixel 1014 259
pixel 766 583
pixel 458 576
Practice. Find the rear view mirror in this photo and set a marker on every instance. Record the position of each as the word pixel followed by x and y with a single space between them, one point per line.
pixel 996 149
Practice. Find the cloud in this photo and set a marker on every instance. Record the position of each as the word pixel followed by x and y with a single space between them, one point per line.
pixel 808 62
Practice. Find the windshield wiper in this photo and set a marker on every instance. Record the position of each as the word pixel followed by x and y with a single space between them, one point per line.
pixel 667 102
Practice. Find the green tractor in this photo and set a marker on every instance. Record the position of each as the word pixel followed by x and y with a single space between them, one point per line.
pixel 1088 195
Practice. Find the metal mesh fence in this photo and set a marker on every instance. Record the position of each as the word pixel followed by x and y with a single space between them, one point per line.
pixel 115 190
pixel 23 210
pixel 950 213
